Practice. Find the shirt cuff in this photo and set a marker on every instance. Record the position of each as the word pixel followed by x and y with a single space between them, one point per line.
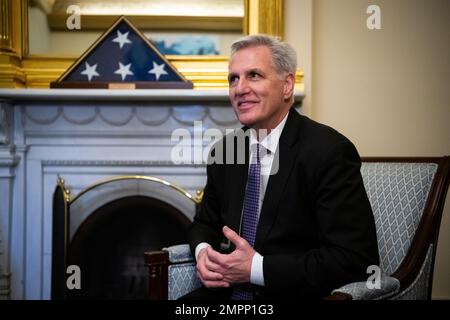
pixel 256 274
pixel 199 247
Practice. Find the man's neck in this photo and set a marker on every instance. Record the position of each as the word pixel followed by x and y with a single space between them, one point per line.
pixel 261 134
pixel 266 130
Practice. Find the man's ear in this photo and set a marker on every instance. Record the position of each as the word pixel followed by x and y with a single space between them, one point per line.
pixel 289 84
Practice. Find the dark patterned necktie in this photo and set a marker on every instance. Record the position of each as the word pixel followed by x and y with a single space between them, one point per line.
pixel 249 220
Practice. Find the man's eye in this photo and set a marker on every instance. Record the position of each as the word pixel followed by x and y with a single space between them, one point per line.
pixel 254 75
pixel 232 80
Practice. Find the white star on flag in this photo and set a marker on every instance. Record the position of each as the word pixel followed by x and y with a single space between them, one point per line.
pixel 158 70
pixel 124 70
pixel 121 38
pixel 90 71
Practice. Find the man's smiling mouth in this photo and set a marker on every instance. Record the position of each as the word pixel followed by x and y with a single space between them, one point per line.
pixel 246 104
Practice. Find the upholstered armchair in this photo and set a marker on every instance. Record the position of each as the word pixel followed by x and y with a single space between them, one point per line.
pixel 407 197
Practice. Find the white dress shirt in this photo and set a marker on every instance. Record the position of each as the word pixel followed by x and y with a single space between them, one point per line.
pixel 268 146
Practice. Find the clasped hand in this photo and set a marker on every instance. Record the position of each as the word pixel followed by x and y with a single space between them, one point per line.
pixel 217 270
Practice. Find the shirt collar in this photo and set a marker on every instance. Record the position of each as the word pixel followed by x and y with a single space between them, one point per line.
pixel 269 142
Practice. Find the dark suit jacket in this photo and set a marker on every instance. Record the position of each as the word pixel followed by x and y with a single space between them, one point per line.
pixel 316 230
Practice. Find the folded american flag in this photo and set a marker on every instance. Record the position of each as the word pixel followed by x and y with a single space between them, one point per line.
pixel 122 55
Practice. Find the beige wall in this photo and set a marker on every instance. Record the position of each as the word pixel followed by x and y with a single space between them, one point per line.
pixel 387 90
pixel 39 33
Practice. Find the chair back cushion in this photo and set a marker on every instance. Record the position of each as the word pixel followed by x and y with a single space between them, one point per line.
pixel 398 193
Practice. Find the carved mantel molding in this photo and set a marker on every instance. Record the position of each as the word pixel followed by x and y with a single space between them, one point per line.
pixel 5 123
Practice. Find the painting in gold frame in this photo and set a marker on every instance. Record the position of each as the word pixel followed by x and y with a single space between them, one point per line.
pixel 20 70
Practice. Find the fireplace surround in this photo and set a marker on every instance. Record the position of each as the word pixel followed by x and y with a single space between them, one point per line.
pixel 105 229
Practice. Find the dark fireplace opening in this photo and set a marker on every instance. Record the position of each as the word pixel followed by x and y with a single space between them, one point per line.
pixel 109 245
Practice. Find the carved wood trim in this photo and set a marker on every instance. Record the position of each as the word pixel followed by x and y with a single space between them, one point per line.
pixel 157 263
pixel 428 230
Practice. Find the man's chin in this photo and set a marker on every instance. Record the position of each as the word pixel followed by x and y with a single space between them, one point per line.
pixel 246 122
pixel 246 119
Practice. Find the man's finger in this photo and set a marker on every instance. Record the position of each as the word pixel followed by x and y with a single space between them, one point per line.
pixel 206 274
pixel 212 282
pixel 218 258
pixel 212 266
pixel 211 276
pixel 231 235
pixel 216 284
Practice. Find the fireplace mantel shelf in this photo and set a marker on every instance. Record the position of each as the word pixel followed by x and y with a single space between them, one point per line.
pixel 182 95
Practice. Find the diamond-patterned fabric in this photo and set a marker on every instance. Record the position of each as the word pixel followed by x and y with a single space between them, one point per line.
pixel 418 290
pixel 397 193
pixel 389 286
pixel 179 253
pixel 182 280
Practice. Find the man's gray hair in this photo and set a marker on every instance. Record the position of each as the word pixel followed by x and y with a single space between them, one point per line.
pixel 283 55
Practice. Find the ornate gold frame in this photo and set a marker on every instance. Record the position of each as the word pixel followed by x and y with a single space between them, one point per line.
pixel 20 70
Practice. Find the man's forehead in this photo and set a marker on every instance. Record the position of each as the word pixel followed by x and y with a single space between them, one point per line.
pixel 251 58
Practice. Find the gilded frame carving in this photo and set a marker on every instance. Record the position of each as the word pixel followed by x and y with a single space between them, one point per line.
pixel 18 69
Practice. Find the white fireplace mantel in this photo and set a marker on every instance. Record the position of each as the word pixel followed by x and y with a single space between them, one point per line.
pixel 85 136
pixel 183 95
pixel 114 95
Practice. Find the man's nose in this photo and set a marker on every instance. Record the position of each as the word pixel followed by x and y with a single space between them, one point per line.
pixel 242 87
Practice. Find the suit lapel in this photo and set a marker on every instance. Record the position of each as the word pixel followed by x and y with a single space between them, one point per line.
pixel 237 180
pixel 277 182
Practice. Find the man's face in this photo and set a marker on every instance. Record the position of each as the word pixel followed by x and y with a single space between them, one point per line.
pixel 259 95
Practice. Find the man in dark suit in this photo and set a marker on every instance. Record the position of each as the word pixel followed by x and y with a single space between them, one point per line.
pixel 292 221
